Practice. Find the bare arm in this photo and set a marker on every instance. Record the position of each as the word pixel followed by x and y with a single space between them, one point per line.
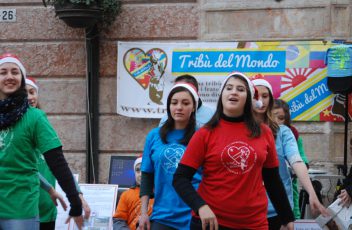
pixel 302 174
pixel 144 218
pixel 44 184
pixel 147 184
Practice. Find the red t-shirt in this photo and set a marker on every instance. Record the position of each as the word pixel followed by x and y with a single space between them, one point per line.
pixel 232 161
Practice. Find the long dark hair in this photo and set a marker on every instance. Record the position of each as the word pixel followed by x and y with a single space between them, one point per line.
pixel 249 119
pixel 169 124
pixel 268 116
pixel 279 103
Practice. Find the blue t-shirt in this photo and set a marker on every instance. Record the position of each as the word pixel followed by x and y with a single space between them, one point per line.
pixel 203 115
pixel 162 160
pixel 287 151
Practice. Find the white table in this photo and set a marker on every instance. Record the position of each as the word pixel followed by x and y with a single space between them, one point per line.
pixel 325 176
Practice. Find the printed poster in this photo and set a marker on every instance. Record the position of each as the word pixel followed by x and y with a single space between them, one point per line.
pixel 296 70
pixel 101 199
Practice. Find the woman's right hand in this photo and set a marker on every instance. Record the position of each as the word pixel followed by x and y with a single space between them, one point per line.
pixel 345 198
pixel 144 222
pixel 85 206
pixel 208 218
pixel 54 195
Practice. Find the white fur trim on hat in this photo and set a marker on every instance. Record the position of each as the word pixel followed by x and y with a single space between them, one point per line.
pixel 250 84
pixel 137 161
pixel 31 82
pixel 12 59
pixel 191 89
pixel 254 92
pixel 263 82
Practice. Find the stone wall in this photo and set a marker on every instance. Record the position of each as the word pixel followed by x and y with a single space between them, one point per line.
pixel 55 55
pixel 271 20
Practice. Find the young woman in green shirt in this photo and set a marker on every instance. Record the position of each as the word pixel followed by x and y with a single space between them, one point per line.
pixel 23 130
pixel 47 208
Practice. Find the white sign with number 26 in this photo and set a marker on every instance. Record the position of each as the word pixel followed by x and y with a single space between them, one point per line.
pixel 7 15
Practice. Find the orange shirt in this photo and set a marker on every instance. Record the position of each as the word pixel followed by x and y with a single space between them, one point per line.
pixel 129 207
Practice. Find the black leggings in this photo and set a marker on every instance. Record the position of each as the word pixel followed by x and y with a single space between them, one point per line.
pixel 47 225
pixel 196 224
pixel 157 226
pixel 274 223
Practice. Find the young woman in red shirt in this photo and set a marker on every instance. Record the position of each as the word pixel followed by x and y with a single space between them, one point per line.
pixel 237 155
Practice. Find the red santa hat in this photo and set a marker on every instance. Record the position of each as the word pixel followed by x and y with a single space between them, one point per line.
pixel 32 82
pixel 10 58
pixel 191 89
pixel 253 90
pixel 263 82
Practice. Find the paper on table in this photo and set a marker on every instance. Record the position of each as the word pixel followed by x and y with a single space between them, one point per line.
pixel 341 215
pixel 102 201
pixel 316 171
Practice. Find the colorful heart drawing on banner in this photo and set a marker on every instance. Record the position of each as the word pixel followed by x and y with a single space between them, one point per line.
pixel 139 64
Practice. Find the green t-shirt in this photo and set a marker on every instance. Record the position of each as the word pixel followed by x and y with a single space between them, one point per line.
pixel 19 182
pixel 47 208
pixel 301 150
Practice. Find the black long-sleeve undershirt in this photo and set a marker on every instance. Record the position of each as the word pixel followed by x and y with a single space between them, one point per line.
pixel 277 194
pixel 59 167
pixel 147 185
pixel 183 186
pixel 182 183
pixel 347 183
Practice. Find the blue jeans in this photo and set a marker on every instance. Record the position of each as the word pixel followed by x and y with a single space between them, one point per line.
pixel 19 224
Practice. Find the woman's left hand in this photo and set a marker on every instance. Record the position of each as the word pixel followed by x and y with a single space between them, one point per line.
pixel 317 207
pixel 208 218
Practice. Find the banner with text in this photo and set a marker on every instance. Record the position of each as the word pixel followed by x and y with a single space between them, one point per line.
pixel 296 70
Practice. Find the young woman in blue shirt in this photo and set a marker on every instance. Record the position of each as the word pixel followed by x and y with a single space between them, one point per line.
pixel 287 150
pixel 164 147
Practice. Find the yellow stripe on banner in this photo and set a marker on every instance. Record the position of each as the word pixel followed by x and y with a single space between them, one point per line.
pixel 304 86
pixel 316 109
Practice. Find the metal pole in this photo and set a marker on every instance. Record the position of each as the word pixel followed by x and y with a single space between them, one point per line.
pixel 345 138
pixel 92 116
